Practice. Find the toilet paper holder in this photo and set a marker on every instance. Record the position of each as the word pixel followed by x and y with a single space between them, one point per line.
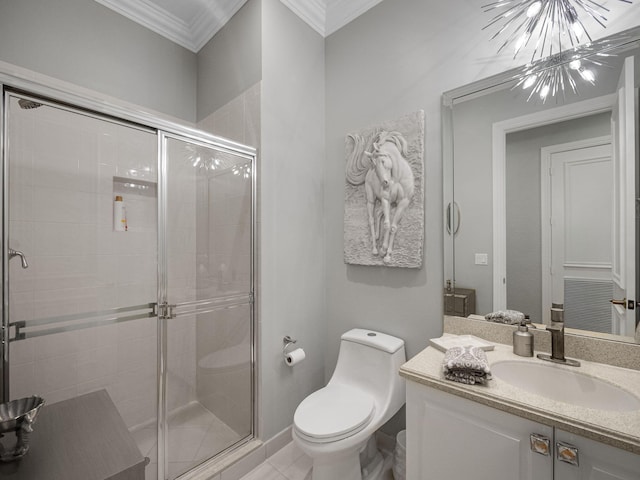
pixel 287 342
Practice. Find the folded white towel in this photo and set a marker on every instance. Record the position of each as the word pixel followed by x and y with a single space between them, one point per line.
pixel 510 317
pixel 466 365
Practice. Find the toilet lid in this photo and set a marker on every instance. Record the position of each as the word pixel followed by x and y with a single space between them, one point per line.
pixel 334 411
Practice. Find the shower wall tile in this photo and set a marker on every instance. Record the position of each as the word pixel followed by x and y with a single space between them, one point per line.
pixel 22 380
pixel 56 373
pixel 22 201
pixel 136 351
pixel 21 307
pixel 21 353
pixel 55 346
pixel 98 362
pixel 239 120
pixel 90 339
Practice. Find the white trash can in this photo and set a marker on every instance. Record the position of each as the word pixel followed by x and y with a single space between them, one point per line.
pixel 400 456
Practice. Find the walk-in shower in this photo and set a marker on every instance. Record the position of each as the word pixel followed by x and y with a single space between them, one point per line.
pixel 160 315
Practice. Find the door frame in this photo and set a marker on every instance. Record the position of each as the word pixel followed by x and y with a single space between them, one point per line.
pixel 169 311
pixel 499 146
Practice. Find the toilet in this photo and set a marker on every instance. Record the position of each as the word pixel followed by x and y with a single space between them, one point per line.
pixel 335 425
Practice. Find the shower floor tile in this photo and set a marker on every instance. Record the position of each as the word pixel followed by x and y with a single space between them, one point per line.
pixel 195 434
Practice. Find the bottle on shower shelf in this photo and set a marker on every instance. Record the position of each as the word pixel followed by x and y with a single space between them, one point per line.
pixel 119 215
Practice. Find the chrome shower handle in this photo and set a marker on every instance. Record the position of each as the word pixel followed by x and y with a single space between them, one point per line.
pixel 16 253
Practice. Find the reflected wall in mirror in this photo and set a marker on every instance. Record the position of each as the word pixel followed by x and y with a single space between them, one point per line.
pixel 540 194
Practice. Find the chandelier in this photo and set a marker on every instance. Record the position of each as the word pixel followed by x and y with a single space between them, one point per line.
pixel 559 73
pixel 554 29
pixel 548 23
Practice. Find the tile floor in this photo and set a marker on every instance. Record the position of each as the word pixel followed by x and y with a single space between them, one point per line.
pixel 195 434
pixel 289 463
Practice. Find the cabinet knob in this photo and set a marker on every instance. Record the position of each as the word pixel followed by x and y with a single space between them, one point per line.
pixel 540 444
pixel 567 453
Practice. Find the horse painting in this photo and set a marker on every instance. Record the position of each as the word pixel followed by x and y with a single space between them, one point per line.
pixel 389 185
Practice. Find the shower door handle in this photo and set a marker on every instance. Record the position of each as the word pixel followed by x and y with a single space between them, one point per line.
pixel 16 253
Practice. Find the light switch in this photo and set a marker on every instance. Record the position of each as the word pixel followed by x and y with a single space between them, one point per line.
pixel 482 259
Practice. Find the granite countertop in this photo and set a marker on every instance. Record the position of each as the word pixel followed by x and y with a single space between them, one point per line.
pixel 618 429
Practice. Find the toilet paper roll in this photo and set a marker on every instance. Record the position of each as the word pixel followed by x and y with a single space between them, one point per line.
pixel 294 357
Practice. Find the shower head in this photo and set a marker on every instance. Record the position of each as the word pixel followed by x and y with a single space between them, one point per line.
pixel 28 104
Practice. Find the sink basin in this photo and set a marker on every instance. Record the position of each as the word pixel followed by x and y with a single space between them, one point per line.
pixel 568 386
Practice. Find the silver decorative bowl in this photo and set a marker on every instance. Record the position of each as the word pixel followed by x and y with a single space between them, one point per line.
pixel 18 416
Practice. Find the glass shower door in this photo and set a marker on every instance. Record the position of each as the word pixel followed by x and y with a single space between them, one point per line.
pixel 79 294
pixel 205 301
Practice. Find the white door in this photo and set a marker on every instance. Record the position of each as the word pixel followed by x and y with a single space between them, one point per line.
pixel 623 126
pixel 577 241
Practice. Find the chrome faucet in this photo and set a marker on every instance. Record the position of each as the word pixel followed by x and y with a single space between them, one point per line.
pixel 556 329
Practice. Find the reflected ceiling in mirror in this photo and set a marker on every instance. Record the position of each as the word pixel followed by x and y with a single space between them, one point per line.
pixel 540 192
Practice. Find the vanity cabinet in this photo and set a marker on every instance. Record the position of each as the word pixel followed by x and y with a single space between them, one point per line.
pixel 450 437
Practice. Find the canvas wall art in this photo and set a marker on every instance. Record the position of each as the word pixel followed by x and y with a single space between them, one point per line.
pixel 384 194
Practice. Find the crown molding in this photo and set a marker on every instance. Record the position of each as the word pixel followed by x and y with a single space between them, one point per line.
pixel 192 34
pixel 154 18
pixel 313 12
pixel 328 16
pixel 211 19
pixel 324 16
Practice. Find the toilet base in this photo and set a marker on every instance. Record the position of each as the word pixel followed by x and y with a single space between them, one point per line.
pixel 373 471
pixel 371 461
pixel 349 467
pixel 344 468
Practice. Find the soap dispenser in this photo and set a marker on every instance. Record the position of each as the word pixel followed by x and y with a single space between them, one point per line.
pixel 523 341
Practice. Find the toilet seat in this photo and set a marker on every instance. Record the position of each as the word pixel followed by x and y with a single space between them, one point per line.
pixel 333 413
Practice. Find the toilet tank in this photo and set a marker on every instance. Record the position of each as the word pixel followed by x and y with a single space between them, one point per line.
pixel 371 360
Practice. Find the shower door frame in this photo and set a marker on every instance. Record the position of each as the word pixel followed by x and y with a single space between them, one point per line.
pixel 168 311
pixel 24 82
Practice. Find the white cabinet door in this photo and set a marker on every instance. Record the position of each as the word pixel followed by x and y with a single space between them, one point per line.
pixel 596 461
pixel 451 438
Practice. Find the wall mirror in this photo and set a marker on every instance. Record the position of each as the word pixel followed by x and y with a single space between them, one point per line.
pixel 540 192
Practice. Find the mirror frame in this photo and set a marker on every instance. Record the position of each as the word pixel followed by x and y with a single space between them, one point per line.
pixel 502 81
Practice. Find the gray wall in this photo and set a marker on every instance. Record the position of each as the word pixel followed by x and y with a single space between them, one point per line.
pixel 231 61
pixel 395 59
pixel 84 43
pixel 292 220
pixel 524 271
